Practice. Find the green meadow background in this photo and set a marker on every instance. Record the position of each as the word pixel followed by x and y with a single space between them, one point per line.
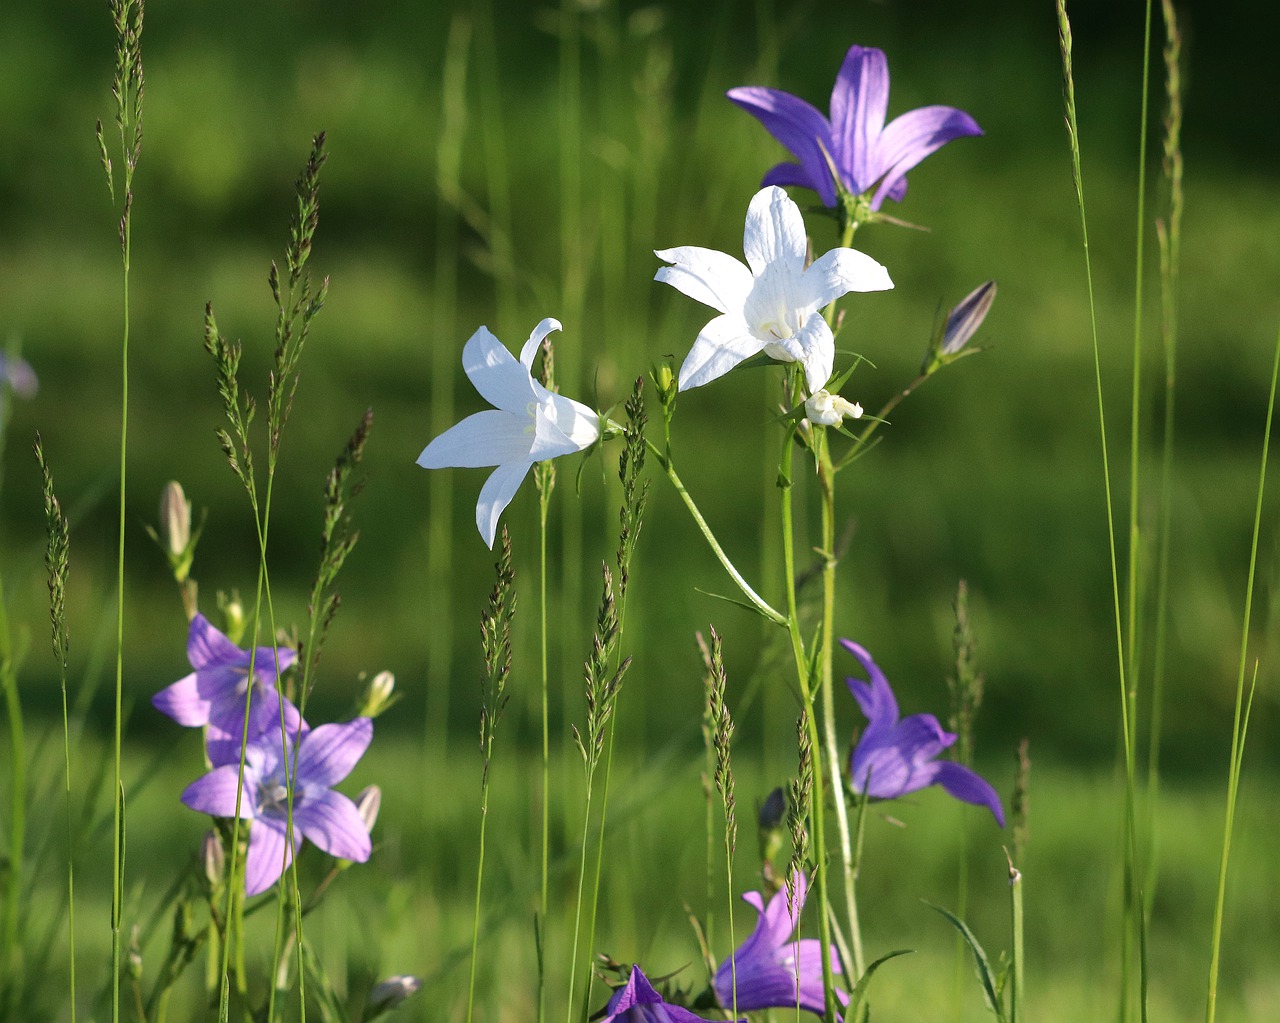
pixel 498 163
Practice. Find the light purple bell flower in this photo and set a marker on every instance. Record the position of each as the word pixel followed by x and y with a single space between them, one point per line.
pixel 213 694
pixel 897 756
pixel 330 820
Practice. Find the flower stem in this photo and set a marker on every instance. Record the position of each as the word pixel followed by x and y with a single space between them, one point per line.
pixel 544 498
pixel 758 602
pixel 826 478
pixel 806 693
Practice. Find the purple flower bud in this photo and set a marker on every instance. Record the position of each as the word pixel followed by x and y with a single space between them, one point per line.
pixel 967 317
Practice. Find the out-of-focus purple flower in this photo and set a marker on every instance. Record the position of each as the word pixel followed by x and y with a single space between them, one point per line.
pixel 389 993
pixel 866 153
pixel 894 757
pixel 638 1002
pixel 325 756
pixel 214 693
pixel 771 970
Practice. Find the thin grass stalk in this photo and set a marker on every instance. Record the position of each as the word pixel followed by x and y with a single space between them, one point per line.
pixel 1240 723
pixel 495 632
pixel 1134 896
pixel 57 563
pixel 1015 908
pixel 635 492
pixel 440 520
pixel 13 965
pixel 127 88
pixel 1169 234
pixel 721 728
pixel 602 686
pixel 1073 136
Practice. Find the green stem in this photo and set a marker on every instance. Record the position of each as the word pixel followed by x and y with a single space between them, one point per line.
pixel 806 693
pixel 13 968
pixel 543 502
pixel 826 478
pixel 756 600
pixel 1240 723
pixel 1015 996
pixel 475 926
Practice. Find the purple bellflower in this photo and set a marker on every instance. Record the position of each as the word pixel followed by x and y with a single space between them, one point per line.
pixel 866 153
pixel 894 757
pixel 638 1002
pixel 766 963
pixel 325 756
pixel 214 693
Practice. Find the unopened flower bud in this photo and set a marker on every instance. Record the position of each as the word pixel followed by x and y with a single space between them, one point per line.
pixel 368 803
pixel 379 694
pixel 232 616
pixel 826 409
pixel 175 520
pixel 389 993
pixel 962 323
pixel 772 812
pixel 212 858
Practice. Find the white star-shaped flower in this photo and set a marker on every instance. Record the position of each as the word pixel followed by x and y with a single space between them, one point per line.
pixel 527 424
pixel 773 303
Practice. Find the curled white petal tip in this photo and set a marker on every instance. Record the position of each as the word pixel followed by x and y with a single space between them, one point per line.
pixel 826 409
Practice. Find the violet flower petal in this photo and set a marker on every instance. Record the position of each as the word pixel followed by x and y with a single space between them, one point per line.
pixel 327 754
pixel 859 102
pixel 331 821
pixel 799 126
pixel 969 787
pixel 215 792
pixel 910 138
pixel 269 854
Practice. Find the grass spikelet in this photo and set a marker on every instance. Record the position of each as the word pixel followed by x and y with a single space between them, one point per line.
pixel 495 639
pixel 800 797
pixel 337 539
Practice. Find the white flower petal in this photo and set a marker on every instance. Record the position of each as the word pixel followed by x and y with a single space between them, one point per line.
pixel 774 232
pixel 491 437
pixel 501 380
pixel 563 427
pixel 841 271
pixel 496 494
pixel 722 344
pixel 540 332
pixel 706 275
pixel 813 346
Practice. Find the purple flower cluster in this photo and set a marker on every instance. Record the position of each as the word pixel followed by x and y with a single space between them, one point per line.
pixel 213 697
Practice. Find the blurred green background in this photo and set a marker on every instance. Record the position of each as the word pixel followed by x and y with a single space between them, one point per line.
pixel 498 165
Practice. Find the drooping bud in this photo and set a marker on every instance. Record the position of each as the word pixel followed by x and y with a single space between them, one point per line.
pixel 379 694
pixel 826 409
pixel 389 993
